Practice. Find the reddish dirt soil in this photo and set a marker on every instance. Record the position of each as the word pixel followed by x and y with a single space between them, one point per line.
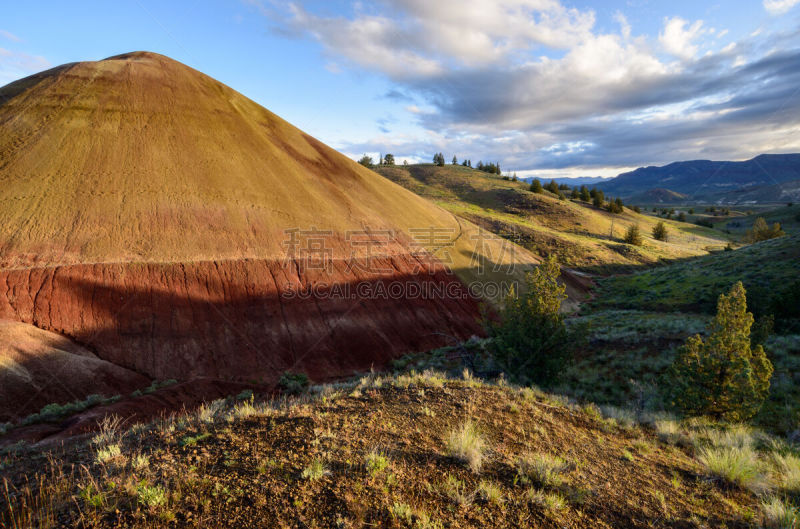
pixel 227 320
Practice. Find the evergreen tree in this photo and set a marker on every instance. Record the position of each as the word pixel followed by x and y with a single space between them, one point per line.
pixel 366 161
pixel 531 342
pixel 388 159
pixel 455 160
pixel 552 187
pixel 660 231
pixel 633 235
pixel 723 376
pixel 575 193
pixel 585 195
pixel 762 232
pixel 536 186
pixel 598 198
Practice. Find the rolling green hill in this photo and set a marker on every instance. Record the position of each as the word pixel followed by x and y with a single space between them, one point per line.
pixel 693 285
pixel 582 236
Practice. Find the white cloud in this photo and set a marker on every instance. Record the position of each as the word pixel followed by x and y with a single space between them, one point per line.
pixel 424 38
pixel 678 37
pixel 778 7
pixel 14 65
pixel 9 36
pixel 534 84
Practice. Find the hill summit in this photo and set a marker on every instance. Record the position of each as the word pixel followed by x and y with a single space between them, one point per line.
pixel 159 218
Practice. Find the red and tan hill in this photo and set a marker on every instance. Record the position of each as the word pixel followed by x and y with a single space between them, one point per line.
pixel 146 212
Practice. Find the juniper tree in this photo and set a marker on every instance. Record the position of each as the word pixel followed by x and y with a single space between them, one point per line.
pixel 536 186
pixel 660 231
pixel 633 235
pixel 531 342
pixel 723 376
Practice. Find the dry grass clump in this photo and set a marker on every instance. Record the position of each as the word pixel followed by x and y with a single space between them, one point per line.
pixel 740 466
pixel 467 444
pixel 786 472
pixel 779 514
pixel 543 470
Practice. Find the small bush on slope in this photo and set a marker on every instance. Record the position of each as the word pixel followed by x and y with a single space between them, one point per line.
pixel 531 343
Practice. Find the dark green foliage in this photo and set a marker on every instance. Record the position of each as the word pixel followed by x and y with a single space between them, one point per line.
pixel 294 383
pixel 552 187
pixel 388 159
pixel 366 161
pixel 438 159
pixel 491 168
pixel 633 235
pixel 660 232
pixel 455 160
pixel 615 206
pixel 723 376
pixel 682 216
pixel 536 186
pixel 575 193
pixel 598 198
pixel 585 195
pixel 785 307
pixel 704 222
pixel 531 342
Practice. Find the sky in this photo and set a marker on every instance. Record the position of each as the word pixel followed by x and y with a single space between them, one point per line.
pixel 551 88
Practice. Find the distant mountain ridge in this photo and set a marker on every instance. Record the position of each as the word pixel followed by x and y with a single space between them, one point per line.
pixel 706 179
pixel 573 182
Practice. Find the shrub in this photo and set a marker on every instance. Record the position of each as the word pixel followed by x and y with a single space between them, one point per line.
pixel 294 383
pixel 536 186
pixel 467 444
pixel 633 235
pixel 246 394
pixel 722 376
pixel 660 231
pixel 762 232
pixel 542 470
pixel 531 343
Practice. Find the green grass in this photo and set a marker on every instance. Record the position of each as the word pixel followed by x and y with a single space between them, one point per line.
pixel 695 284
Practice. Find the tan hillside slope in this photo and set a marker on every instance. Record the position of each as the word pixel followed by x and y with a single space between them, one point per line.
pixel 158 217
pixel 139 157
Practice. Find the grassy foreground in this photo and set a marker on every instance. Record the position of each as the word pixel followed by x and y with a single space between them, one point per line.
pixel 413 450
